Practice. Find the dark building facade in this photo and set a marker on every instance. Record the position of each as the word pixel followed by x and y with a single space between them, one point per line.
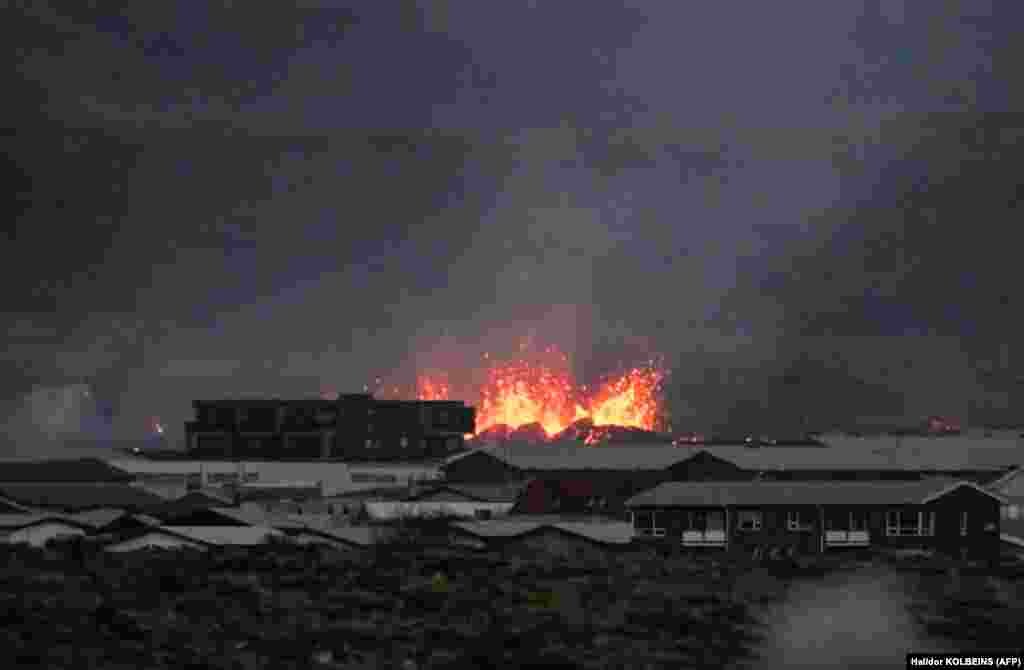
pixel 352 427
pixel 958 519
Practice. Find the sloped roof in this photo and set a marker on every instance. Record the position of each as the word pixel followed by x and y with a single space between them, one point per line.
pixel 11 522
pixel 97 518
pixel 720 494
pixel 609 532
pixel 91 470
pixel 861 456
pixel 226 535
pixel 137 533
pixel 502 492
pixel 79 495
pixel 361 536
pixel 575 457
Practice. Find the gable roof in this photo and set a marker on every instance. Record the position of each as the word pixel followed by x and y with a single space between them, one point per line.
pixel 79 496
pixel 572 456
pixel 603 532
pixel 137 533
pixel 503 492
pixel 721 494
pixel 97 518
pixel 226 535
pixel 11 522
pixel 93 470
pixel 355 536
pixel 863 457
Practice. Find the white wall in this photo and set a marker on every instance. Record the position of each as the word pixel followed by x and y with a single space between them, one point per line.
pixel 395 509
pixel 40 534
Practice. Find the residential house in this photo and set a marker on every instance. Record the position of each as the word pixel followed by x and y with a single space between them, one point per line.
pixel 951 516
pixel 608 474
pixel 149 538
pixel 451 499
pixel 591 540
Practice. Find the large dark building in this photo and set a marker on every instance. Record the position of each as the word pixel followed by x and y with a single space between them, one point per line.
pixel 353 427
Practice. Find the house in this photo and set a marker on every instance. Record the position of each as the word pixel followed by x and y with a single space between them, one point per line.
pixel 74 497
pixel 460 500
pixel 592 540
pixel 355 426
pixel 38 529
pixel 954 517
pixel 611 473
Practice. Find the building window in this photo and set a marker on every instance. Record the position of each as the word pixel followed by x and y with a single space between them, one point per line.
pixel 705 520
pixel 748 519
pixel 482 513
pixel 442 418
pixel 798 521
pixel 370 444
pixel 963 523
pixel 403 442
pixel 1011 512
pixel 646 523
pixel 903 523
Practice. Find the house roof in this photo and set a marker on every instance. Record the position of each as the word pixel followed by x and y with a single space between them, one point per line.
pixel 503 492
pixel 720 494
pixel 137 533
pixel 91 470
pixel 608 532
pixel 359 536
pixel 575 457
pixel 79 495
pixel 97 518
pixel 226 535
pixel 862 457
pixel 11 522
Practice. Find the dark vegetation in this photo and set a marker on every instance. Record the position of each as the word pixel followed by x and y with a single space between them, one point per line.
pixel 411 605
pixel 73 606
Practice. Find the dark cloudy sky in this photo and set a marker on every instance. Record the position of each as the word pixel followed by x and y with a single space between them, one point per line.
pixel 809 207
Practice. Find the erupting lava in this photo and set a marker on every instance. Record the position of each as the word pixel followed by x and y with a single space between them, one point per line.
pixel 521 393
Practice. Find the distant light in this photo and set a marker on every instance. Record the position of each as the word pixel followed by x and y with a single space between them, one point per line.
pixel 136 450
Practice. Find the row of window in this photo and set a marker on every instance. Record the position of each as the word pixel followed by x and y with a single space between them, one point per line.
pixel 898 523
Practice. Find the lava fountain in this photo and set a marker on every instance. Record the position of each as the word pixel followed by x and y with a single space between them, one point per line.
pixel 523 391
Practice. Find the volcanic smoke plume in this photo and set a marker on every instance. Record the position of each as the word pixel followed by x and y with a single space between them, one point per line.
pixel 535 398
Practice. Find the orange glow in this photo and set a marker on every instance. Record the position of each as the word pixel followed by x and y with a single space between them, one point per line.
pixel 432 388
pixel 522 392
